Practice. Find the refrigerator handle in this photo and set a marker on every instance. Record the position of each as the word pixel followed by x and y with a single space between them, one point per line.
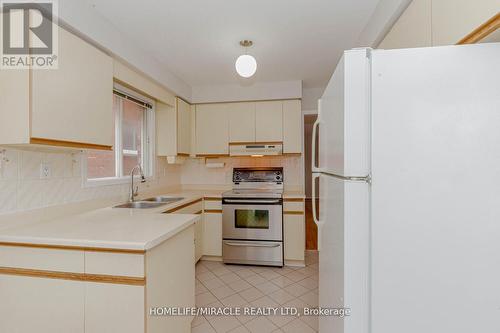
pixel 315 168
pixel 319 223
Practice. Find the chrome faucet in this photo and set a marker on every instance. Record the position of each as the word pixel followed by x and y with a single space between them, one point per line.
pixel 135 192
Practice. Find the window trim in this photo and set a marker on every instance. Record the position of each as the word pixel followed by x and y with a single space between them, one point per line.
pixel 149 164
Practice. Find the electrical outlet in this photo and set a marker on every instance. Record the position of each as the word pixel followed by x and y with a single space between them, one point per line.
pixel 45 170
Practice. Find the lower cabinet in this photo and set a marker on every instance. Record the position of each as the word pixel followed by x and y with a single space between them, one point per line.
pixel 294 237
pixel 113 308
pixel 42 305
pixel 198 239
pixel 212 234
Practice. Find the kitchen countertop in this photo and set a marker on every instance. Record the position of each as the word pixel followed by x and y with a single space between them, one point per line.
pixel 110 228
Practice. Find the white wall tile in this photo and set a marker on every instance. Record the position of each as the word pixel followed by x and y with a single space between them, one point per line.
pixel 30 163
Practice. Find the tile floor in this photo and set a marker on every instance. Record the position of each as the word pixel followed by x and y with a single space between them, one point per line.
pixel 219 285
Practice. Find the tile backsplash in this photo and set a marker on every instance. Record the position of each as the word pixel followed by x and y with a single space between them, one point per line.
pixel 24 185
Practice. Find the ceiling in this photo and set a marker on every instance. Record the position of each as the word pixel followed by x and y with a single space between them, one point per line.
pixel 198 40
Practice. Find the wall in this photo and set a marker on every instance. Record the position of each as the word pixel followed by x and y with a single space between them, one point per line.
pixel 195 174
pixel 22 188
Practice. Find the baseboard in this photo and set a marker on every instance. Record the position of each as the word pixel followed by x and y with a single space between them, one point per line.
pixel 211 258
pixel 295 263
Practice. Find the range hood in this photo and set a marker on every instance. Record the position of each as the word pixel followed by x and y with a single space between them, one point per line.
pixel 255 149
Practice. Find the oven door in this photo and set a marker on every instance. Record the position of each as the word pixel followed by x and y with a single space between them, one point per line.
pixel 252 219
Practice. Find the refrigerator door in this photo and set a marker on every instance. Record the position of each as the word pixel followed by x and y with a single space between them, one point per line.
pixel 344 118
pixel 344 254
pixel 436 190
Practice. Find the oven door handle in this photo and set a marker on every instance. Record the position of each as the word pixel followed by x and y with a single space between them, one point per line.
pixel 252 202
pixel 246 244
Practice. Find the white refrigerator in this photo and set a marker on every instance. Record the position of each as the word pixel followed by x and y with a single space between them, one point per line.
pixel 409 197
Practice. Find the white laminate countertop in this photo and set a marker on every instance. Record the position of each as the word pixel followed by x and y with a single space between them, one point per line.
pixel 110 228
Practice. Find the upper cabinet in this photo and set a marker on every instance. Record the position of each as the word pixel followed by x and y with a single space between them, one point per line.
pixel 269 121
pixel 219 125
pixel 241 122
pixel 183 128
pixel 438 22
pixel 173 128
pixel 70 106
pixel 292 127
pixel 212 129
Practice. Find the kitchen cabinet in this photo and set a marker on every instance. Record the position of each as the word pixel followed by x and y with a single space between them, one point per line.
pixel 269 121
pixel 113 308
pixel 292 127
pixel 212 234
pixel 41 305
pixel 412 29
pixel 241 122
pixel 294 237
pixel 70 106
pixel 212 130
pixel 173 129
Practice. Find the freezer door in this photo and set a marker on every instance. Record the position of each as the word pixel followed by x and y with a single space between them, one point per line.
pixel 343 257
pixel 436 190
pixel 344 117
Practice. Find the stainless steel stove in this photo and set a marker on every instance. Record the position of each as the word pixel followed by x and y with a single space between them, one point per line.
pixel 252 218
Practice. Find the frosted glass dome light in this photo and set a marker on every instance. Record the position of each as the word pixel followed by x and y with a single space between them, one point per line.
pixel 246 65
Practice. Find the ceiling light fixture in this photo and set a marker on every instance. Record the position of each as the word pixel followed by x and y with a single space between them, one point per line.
pixel 246 65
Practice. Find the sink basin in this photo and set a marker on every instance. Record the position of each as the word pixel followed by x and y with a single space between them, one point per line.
pixel 164 199
pixel 140 204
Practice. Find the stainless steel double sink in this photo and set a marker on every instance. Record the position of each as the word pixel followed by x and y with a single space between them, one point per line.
pixel 150 202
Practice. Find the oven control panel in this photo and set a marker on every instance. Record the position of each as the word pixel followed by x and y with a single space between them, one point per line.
pixel 258 175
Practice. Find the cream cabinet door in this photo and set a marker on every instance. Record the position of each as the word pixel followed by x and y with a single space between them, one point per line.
pixel 294 236
pixel 166 130
pixel 292 127
pixel 452 20
pixel 14 106
pixel 198 239
pixel 113 308
pixel 241 122
pixel 212 129
pixel 212 234
pixel 32 304
pixel 413 28
pixel 269 121
pixel 74 102
pixel 183 127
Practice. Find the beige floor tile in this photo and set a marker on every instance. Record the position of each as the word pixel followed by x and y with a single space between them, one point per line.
pixel 224 324
pixel 281 296
pixel 296 276
pixel 296 289
pixel 255 279
pixel 204 328
pixel 282 281
pixel 245 272
pixel 198 320
pixel 269 275
pixel 251 294
pixel 241 329
pixel 205 299
pixel 240 285
pixel 267 287
pixel 311 298
pixel 205 276
pixel 280 320
pixel 213 283
pixel 229 277
pixel 297 326
pixel 200 288
pixel 260 325
pixel 221 271
pixel 233 301
pixel 310 283
pixel 311 321
pixel 264 302
pixel 223 292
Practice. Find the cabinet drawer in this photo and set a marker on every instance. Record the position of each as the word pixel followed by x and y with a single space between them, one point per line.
pixel 213 204
pixel 46 259
pixel 293 206
pixel 117 264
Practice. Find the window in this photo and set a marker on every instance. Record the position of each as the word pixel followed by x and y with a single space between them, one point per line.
pixel 134 128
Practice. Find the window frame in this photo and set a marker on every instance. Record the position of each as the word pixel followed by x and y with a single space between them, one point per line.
pixel 148 136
